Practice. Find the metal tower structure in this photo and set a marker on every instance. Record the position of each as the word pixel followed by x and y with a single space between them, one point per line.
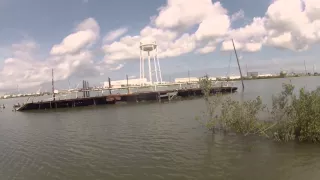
pixel 149 50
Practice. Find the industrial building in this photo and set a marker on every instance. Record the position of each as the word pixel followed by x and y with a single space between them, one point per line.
pixel 252 74
pixel 186 80
pixel 191 79
pixel 123 83
pixel 265 75
pixel 228 77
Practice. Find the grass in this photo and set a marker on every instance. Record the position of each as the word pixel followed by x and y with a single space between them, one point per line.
pixel 292 117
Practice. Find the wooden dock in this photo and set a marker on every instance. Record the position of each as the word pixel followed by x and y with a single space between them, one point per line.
pixel 114 98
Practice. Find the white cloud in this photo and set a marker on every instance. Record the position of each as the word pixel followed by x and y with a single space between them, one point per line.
pixel 88 24
pixel 166 27
pixel 74 43
pixel 25 70
pixel 179 14
pixel 128 47
pixel 180 27
pixel 70 58
pixel 22 68
pixel 85 35
pixel 287 24
pixel 184 44
pixel 228 46
pixel 221 24
pixel 209 47
pixel 312 8
pixel 112 35
pixel 247 47
pixel 281 41
pixel 157 34
pixel 238 15
pixel 206 49
pixel 293 24
pixel 253 47
pixel 118 67
pixel 251 32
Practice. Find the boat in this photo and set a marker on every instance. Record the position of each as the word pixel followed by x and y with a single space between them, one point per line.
pixel 16 106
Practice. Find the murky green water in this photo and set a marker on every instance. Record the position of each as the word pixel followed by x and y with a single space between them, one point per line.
pixel 146 141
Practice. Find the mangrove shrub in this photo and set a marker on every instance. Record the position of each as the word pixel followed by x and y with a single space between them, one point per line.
pixel 292 117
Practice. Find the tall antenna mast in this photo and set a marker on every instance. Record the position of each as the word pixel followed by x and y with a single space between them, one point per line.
pixel 53 95
pixel 235 51
pixel 247 69
pixel 305 67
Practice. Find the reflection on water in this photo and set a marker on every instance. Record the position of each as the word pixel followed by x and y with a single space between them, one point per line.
pixel 146 141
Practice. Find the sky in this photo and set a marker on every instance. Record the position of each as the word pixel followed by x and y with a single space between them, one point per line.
pixel 97 39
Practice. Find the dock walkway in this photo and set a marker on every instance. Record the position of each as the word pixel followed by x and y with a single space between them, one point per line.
pixel 114 98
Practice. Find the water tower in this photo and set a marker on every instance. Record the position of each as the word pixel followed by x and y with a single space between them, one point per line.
pixel 149 50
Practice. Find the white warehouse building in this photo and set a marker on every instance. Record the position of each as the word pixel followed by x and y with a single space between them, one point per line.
pixel 191 79
pixel 186 80
pixel 123 83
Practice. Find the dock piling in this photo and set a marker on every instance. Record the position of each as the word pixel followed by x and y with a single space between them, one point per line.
pixel 109 85
pixel 128 84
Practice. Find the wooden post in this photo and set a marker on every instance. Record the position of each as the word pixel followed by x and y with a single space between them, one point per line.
pixel 128 84
pixel 87 83
pixel 305 67
pixel 53 95
pixel 83 89
pixel 109 85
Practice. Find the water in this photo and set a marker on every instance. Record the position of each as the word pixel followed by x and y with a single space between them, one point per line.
pixel 146 141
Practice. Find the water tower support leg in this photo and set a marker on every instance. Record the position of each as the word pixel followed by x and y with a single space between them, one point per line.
pixel 149 63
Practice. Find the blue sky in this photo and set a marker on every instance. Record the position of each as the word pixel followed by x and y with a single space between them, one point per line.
pixel 46 23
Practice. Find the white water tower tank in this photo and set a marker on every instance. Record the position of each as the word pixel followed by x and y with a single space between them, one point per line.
pixel 148 51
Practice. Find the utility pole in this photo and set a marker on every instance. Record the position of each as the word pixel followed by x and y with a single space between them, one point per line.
pixel 235 51
pixel 109 85
pixel 247 69
pixel 53 95
pixel 88 89
pixel 84 88
pixel 128 84
pixel 305 67
pixel 127 80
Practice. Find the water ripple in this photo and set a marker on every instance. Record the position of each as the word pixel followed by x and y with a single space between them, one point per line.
pixel 145 141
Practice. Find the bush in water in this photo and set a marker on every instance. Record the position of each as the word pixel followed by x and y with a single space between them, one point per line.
pixel 292 117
